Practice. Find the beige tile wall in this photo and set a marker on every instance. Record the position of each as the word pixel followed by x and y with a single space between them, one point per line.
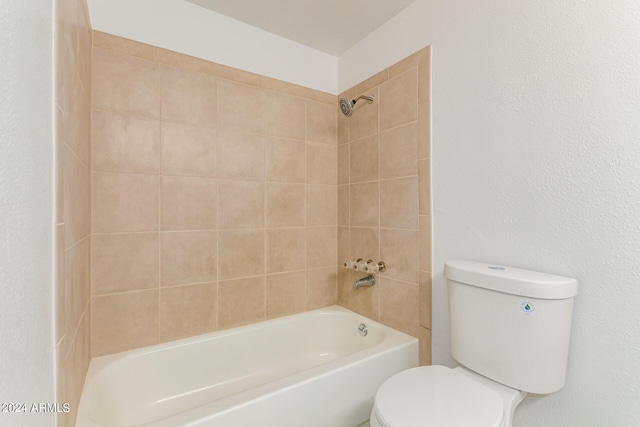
pixel 384 197
pixel 214 200
pixel 73 201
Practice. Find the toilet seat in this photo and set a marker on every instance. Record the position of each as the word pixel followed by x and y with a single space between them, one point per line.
pixel 436 396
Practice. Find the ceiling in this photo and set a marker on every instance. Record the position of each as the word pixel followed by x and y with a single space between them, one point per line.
pixel 331 26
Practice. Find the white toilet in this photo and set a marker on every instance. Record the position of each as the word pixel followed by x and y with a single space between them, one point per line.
pixel 510 332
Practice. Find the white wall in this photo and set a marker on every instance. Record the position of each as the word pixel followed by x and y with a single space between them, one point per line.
pixel 185 27
pixel 536 164
pixel 26 208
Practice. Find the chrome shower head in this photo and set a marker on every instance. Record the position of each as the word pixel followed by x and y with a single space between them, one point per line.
pixel 347 106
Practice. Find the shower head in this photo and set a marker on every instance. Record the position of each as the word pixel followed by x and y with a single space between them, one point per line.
pixel 347 106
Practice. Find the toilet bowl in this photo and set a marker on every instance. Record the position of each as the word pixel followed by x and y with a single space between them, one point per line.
pixel 439 396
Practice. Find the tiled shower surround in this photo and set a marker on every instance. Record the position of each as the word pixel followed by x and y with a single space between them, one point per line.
pixel 218 196
pixel 73 203
pixel 214 196
pixel 384 197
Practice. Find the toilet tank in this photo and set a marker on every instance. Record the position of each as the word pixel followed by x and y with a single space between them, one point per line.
pixel 511 325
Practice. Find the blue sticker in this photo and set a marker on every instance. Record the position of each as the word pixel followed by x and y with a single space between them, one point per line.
pixel 528 307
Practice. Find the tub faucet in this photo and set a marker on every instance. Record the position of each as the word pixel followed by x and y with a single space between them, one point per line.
pixel 365 282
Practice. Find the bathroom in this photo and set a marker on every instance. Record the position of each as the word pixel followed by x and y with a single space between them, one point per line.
pixel 534 163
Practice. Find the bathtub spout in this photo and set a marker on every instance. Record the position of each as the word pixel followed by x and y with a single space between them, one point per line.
pixel 365 282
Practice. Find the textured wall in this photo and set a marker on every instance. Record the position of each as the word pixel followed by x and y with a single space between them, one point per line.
pixel 26 209
pixel 537 165
pixel 384 209
pixel 73 193
pixel 214 196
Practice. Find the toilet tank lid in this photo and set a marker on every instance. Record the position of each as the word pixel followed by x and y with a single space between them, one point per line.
pixel 511 280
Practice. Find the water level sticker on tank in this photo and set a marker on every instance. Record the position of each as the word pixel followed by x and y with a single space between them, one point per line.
pixel 528 307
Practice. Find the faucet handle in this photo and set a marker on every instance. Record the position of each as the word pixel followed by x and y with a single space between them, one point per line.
pixel 373 267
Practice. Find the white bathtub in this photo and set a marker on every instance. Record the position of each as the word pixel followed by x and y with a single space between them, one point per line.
pixel 312 369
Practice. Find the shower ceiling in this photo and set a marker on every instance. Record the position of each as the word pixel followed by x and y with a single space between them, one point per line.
pixel 332 26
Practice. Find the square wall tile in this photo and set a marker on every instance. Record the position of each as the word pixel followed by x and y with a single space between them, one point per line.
pixel 322 205
pixel 322 164
pixel 241 107
pixel 241 156
pixel 125 262
pixel 322 122
pixel 364 204
pixel 285 294
pixel 285 115
pixel 241 302
pixel 344 287
pixel 399 305
pixel 124 143
pixel 186 311
pixel 241 204
pixel 399 203
pixel 285 205
pixel 399 249
pixel 188 257
pixel 241 253
pixel 425 298
pixel 124 202
pixel 321 287
pixel 424 338
pixel 77 282
pixel 425 243
pixel 285 249
pixel 321 247
pixel 364 243
pixel 188 97
pixel 125 83
pixel 76 118
pixel 399 100
pixel 363 160
pixel 188 203
pixel 77 198
pixel 285 160
pixel 124 321
pixel 399 151
pixel 343 205
pixel 424 131
pixel 424 177
pixel 343 245
pixel 188 150
pixel 343 164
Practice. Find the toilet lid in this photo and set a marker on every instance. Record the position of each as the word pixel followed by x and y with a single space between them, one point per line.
pixel 436 396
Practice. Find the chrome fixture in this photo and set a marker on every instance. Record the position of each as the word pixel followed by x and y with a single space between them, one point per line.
pixel 365 282
pixel 373 267
pixel 362 328
pixel 370 266
pixel 347 106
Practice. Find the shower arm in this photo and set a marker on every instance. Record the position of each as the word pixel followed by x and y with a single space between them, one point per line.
pixel 368 98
